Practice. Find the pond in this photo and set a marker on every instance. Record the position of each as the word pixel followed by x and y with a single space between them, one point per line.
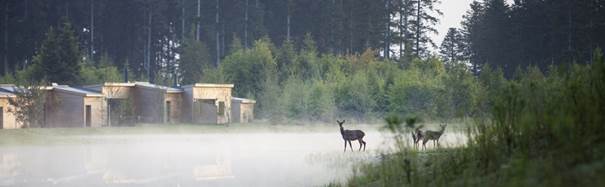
pixel 257 158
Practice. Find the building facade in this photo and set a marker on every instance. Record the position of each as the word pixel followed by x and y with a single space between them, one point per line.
pixel 242 110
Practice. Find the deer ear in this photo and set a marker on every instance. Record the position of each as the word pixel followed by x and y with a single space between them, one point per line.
pixel 343 121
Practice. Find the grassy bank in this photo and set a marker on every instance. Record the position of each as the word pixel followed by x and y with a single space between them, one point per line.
pixel 536 130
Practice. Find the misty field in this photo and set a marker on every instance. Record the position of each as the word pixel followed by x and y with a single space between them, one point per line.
pixel 186 155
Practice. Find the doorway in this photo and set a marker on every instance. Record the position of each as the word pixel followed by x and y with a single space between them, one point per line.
pixel 167 112
pixel 88 116
pixel 1 117
pixel 206 111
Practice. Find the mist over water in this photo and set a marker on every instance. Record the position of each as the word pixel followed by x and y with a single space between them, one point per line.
pixel 204 159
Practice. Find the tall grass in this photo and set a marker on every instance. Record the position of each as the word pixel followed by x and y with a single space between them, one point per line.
pixel 536 130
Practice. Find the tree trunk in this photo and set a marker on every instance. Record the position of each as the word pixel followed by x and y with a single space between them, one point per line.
pixel 387 36
pixel 148 63
pixel 197 24
pixel 218 40
pixel 246 26
pixel 418 25
pixel 401 28
pixel 5 38
pixel 92 29
pixel 182 20
pixel 350 51
pixel 288 23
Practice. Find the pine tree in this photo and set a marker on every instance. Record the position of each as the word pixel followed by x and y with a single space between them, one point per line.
pixel 423 24
pixel 452 47
pixel 59 56
pixel 195 58
pixel 471 34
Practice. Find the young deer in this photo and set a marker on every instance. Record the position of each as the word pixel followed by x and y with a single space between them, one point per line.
pixel 417 135
pixel 433 135
pixel 350 135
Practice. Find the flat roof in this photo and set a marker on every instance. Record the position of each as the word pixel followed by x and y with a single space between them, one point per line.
pixel 168 89
pixel 142 84
pixel 8 87
pixel 209 85
pixel 118 84
pixel 243 100
pixel 5 94
pixel 83 92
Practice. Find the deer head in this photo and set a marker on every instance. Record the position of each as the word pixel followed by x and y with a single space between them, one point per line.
pixel 443 126
pixel 340 122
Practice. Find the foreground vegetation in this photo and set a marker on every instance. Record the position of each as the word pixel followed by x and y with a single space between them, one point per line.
pixel 544 130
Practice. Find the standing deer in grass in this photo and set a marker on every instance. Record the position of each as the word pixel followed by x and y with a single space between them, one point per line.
pixel 432 135
pixel 350 135
pixel 417 135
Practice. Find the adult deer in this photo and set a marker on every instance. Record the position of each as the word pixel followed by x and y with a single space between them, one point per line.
pixel 433 135
pixel 350 135
pixel 417 135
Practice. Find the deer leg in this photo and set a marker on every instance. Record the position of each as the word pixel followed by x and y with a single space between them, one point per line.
pixel 424 143
pixel 350 145
pixel 364 145
pixel 360 144
pixel 345 146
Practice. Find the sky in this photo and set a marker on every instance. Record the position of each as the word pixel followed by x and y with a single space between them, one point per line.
pixel 452 15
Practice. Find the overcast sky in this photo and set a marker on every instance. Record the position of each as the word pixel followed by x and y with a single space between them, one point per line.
pixel 452 15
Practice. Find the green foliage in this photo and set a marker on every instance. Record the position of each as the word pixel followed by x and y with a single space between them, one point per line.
pixel 30 102
pixel 58 59
pixel 103 72
pixel 249 69
pixel 304 85
pixel 540 130
pixel 195 61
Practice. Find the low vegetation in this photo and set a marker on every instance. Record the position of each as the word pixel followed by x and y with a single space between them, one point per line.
pixel 538 130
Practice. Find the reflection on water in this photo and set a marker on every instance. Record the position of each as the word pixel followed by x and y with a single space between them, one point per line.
pixel 219 170
pixel 246 159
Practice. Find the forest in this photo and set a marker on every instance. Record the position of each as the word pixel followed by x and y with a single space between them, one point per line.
pixel 527 75
pixel 330 55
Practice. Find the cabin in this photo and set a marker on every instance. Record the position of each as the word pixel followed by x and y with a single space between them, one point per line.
pixel 67 106
pixel 207 103
pixel 242 110
pixel 8 120
pixel 134 102
pixel 116 104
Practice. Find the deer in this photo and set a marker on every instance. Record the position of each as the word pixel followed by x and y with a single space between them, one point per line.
pixel 351 135
pixel 417 135
pixel 433 135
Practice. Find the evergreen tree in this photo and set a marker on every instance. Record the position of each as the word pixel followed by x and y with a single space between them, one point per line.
pixel 452 47
pixel 195 58
pixel 423 24
pixel 497 33
pixel 59 56
pixel 471 34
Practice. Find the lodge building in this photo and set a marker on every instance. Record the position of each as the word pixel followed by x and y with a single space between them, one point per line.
pixel 122 104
